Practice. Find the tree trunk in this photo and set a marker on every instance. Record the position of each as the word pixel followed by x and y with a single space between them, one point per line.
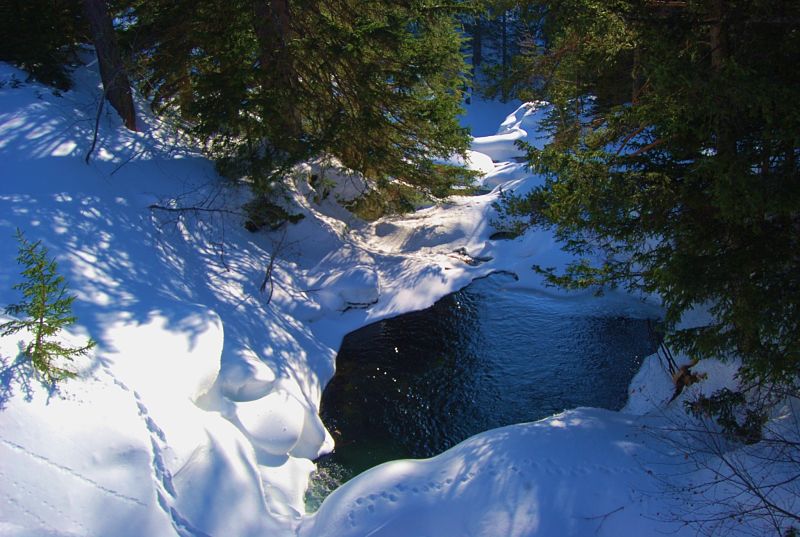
pixel 116 86
pixel 717 36
pixel 477 43
pixel 726 142
pixel 504 58
pixel 272 26
pixel 636 77
pixel 272 30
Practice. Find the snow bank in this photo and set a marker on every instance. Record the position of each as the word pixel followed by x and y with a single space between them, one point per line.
pixel 127 448
pixel 215 389
pixel 522 125
pixel 574 474
pixel 197 414
pixel 474 161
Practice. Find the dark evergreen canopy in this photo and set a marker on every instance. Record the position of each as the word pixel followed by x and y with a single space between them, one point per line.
pixel 675 162
pixel 375 83
pixel 41 36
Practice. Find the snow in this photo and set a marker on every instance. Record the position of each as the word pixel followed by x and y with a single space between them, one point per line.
pixel 522 125
pixel 545 478
pixel 197 413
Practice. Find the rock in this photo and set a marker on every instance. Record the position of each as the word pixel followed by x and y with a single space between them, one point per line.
pixel 503 236
pixel 357 287
pixel 462 255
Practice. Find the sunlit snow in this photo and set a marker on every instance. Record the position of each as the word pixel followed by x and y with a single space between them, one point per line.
pixel 197 413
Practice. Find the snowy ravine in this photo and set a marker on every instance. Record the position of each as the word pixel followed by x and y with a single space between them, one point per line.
pixel 197 412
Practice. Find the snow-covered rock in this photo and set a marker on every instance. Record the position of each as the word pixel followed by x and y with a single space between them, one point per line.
pixel 346 278
pixel 356 287
pixel 184 365
pixel 274 423
pixel 583 472
pixel 475 161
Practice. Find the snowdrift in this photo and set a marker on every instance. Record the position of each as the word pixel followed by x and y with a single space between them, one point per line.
pixel 197 414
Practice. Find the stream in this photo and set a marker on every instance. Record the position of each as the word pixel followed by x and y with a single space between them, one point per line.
pixel 484 357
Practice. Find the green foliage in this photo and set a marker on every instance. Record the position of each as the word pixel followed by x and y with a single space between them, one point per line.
pixel 731 410
pixel 385 198
pixel 40 36
pixel 499 33
pixel 674 163
pixel 264 212
pixel 517 213
pixel 46 309
pixel 265 85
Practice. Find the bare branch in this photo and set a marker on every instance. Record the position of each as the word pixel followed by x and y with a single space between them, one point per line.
pixel 268 273
pixel 96 125
pixel 193 209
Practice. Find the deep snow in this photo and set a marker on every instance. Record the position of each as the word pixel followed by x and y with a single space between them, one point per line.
pixel 197 412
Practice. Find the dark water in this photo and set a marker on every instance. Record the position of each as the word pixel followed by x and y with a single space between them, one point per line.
pixel 484 357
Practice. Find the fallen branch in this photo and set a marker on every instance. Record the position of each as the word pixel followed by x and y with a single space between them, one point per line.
pixel 193 209
pixel 603 518
pixel 202 207
pixel 128 124
pixel 96 125
pixel 268 273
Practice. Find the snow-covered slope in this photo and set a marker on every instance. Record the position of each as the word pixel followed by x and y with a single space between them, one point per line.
pixel 574 474
pixel 197 412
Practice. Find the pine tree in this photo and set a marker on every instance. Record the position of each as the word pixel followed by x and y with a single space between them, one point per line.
pixel 377 84
pixel 499 31
pixel 674 164
pixel 46 309
pixel 41 37
pixel 113 73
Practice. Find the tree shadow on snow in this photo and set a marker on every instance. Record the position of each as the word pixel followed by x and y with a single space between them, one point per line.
pixel 125 262
pixel 18 374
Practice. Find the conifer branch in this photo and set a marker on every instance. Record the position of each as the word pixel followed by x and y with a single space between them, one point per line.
pixel 46 309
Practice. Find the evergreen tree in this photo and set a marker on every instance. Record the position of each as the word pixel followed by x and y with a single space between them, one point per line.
pixel 113 73
pixel 40 36
pixel 499 31
pixel 46 309
pixel 375 83
pixel 674 163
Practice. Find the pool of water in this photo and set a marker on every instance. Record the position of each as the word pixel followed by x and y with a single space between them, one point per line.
pixel 481 358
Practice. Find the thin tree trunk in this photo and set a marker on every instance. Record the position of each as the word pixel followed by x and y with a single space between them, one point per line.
pixel 477 43
pixel 503 22
pixel 272 26
pixel 790 156
pixel 726 142
pixel 112 70
pixel 636 78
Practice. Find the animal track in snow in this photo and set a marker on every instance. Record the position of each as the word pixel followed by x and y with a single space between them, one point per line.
pixel 165 490
pixel 69 471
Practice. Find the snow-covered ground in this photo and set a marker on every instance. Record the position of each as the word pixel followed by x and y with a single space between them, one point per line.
pixel 197 412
